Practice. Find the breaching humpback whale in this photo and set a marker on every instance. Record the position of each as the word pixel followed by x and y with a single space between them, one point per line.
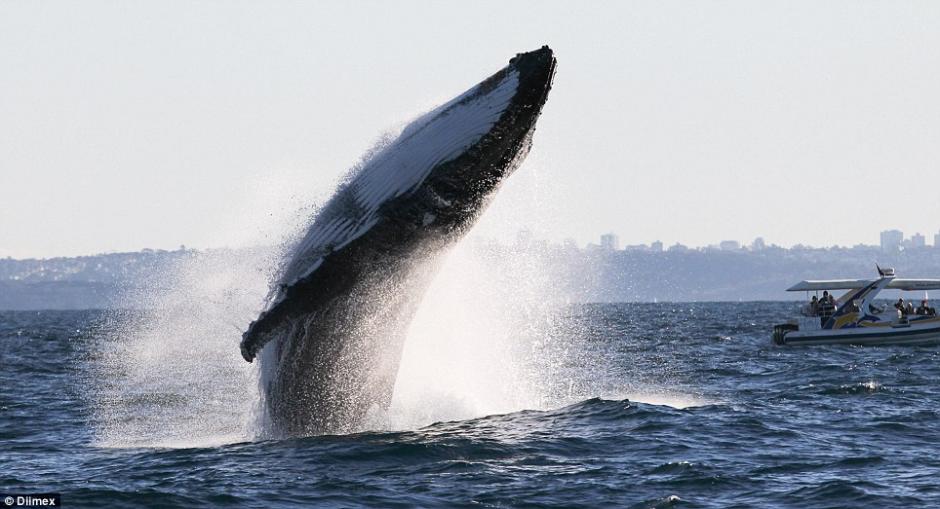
pixel 332 335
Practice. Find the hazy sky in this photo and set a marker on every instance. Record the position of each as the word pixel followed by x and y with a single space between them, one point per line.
pixel 126 125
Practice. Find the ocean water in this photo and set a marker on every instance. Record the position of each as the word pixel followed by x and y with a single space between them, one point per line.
pixel 640 405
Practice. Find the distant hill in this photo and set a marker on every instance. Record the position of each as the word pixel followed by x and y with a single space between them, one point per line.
pixel 82 282
pixel 577 275
pixel 742 275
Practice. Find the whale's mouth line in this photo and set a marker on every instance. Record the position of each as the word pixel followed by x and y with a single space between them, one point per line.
pixel 332 337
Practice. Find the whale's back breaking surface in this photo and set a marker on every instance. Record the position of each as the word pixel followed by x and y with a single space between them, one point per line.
pixel 332 336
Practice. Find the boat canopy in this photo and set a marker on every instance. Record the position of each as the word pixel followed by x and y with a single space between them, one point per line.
pixel 907 285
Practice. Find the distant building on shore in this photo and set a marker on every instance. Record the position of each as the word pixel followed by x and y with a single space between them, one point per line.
pixel 918 241
pixel 678 248
pixel 610 242
pixel 729 245
pixel 656 247
pixel 891 240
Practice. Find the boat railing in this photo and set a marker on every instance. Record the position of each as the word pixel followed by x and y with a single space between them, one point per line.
pixel 808 311
pixel 809 323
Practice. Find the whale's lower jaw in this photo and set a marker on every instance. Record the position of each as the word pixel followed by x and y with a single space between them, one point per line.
pixel 331 345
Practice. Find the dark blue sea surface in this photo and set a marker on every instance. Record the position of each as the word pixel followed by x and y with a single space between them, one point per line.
pixel 763 426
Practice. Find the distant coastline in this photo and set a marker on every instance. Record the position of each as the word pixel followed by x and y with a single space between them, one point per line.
pixel 591 274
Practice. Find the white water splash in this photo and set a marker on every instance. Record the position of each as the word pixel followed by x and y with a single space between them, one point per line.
pixel 666 397
pixel 492 337
pixel 171 375
pixel 467 347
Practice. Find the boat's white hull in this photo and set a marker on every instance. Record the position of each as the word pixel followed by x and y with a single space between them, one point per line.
pixel 866 336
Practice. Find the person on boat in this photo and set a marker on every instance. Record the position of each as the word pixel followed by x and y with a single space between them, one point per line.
pixel 814 306
pixel 923 309
pixel 827 308
pixel 909 308
pixel 899 305
pixel 828 298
